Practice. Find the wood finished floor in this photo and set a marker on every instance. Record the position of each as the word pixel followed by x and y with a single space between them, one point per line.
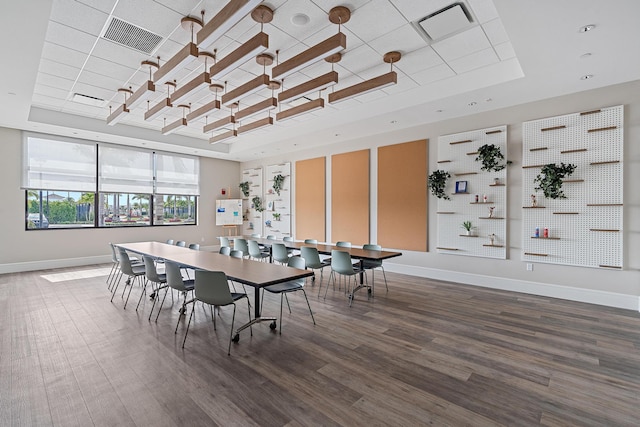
pixel 425 353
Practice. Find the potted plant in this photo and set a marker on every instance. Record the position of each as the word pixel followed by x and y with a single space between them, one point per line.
pixel 244 187
pixel 491 157
pixel 467 225
pixel 549 180
pixel 437 183
pixel 257 204
pixel 276 216
pixel 278 180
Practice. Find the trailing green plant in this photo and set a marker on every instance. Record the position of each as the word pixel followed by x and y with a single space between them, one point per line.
pixel 278 180
pixel 549 180
pixel 257 204
pixel 244 187
pixel 467 225
pixel 438 182
pixel 491 158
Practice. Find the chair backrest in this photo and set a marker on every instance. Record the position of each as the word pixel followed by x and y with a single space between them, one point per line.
pixel 254 249
pixel 343 244
pixel 271 237
pixel 311 241
pixel 372 247
pixel 125 262
pixel 114 256
pixel 181 243
pixel 169 241
pixel 297 262
pixel 212 287
pixel 311 256
pixel 341 262
pixel 224 241
pixel 255 235
pixel 174 276
pixel 225 250
pixel 241 245
pixel 194 246
pixel 236 254
pixel 150 269
pixel 287 239
pixel 279 252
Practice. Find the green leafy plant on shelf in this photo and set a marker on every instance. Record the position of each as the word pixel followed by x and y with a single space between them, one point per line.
pixel 491 157
pixel 467 225
pixel 244 187
pixel 278 180
pixel 438 182
pixel 257 204
pixel 276 216
pixel 549 180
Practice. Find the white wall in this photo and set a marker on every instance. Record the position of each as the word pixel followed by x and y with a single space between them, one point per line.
pixel 606 287
pixel 22 250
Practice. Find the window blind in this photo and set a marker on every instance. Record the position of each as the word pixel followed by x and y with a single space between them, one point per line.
pixel 177 174
pixel 125 170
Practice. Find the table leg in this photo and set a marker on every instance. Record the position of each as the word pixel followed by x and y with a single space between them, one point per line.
pixel 257 317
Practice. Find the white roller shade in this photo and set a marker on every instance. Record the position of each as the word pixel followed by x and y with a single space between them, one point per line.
pixel 177 174
pixel 125 170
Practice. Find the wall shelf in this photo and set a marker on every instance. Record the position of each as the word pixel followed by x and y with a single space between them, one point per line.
pixel 605 204
pixel 456 194
pixel 460 142
pixel 466 173
pixel 497 185
pixel 566 213
pixel 473 153
pixel 481 203
pixel 491 132
pixel 545 238
pixel 444 161
pixel 490 217
pixel 493 246
pixel 577 150
pixel 586 113
pixel 602 129
pixel 608 162
pixel 534 207
pixel 553 128
pixel 467 235
pixel 445 213
pixel 604 230
pixel 538 149
pixel 570 181
pixel 611 266
pixel 447 249
pixel 532 166
pixel 535 254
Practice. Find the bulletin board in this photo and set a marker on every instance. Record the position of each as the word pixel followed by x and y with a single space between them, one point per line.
pixel 229 212
pixel 350 197
pixel 310 198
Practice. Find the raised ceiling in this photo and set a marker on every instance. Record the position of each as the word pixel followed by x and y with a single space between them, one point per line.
pixel 508 52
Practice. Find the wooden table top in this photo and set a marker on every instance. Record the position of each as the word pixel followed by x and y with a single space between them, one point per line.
pixel 252 273
pixel 325 249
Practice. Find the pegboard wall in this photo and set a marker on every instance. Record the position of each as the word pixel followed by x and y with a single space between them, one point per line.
pixel 277 214
pixel 251 218
pixel 483 190
pixel 585 229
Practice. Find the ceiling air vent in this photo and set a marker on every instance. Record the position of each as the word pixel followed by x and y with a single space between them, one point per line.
pixel 88 100
pixel 131 36
pixel 445 22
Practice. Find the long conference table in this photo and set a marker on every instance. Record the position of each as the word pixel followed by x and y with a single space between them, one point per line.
pixel 251 273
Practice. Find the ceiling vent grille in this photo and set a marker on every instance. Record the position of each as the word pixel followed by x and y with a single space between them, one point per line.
pixel 131 36
pixel 445 22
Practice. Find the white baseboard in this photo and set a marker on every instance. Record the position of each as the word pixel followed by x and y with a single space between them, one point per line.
pixel 53 263
pixel 609 299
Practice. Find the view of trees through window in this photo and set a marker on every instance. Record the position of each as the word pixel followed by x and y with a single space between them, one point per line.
pixel 62 209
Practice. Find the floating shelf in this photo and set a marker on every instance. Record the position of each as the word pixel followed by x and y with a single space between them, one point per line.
pixel 444 161
pixel 535 254
pixel 604 229
pixel 490 217
pixel 455 194
pixel 466 173
pixel 610 266
pixel 534 207
pixel 602 129
pixel 585 113
pixel 605 204
pixel 460 142
pixel 497 185
pixel 553 128
pixel 445 213
pixel 491 132
pixel 466 235
pixel 545 238
pixel 494 246
pixel 481 203
pixel 532 166
pixel 608 162
pixel 577 150
pixel 566 213
pixel 538 149
pixel 447 249
pixel 473 153
pixel 572 180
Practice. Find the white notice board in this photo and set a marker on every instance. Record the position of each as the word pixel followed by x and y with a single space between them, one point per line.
pixel 229 212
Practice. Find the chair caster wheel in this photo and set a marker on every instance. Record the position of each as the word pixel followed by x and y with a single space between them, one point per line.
pixel 272 326
pixel 236 338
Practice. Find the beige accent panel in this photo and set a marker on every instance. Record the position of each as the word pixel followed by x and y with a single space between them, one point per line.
pixel 350 197
pixel 402 196
pixel 310 199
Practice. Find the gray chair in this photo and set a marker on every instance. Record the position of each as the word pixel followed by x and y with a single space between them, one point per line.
pixel 292 286
pixel 153 277
pixel 224 250
pixel 343 244
pixel 311 241
pixel 341 265
pixel 255 235
pixel 255 252
pixel 169 241
pixel 224 241
pixel 241 245
pixel 194 246
pixel 236 254
pixel 176 282
pixel 211 287
pixel 181 243
pixel 279 253
pixel 115 272
pixel 133 272
pixel 271 237
pixel 373 264
pixel 312 260
pixel 290 240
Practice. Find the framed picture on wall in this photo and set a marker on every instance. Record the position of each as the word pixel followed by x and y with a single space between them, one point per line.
pixel 461 186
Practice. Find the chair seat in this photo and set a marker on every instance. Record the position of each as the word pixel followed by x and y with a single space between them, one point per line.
pixel 189 284
pixel 290 286
pixel 324 263
pixel 237 295
pixel 138 270
pixel 162 277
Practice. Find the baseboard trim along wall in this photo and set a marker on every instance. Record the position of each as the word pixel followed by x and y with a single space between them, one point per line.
pixel 18 267
pixel 609 299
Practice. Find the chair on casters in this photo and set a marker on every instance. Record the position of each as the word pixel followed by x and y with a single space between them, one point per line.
pixel 341 264
pixel 160 280
pixel 175 281
pixel 292 286
pixel 211 287
pixel 194 246
pixel 181 243
pixel 133 272
pixel 255 252
pixel 279 253
pixel 312 260
pixel 373 264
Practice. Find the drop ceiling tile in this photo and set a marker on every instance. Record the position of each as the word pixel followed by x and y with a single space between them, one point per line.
pixel 360 59
pixel 484 10
pixel 330 30
pixel 97 92
pixel 474 61
pixel 405 83
pixel 48 102
pixel 505 51
pixel 327 5
pixel 434 74
pixel 79 16
pixel 371 96
pixel 70 37
pixel 64 55
pixel 404 39
pixel 150 15
pixel 413 10
pixel 184 7
pixel 495 31
pixel 58 69
pixel 82 109
pixel 462 44
pixel 375 18
pixel 98 80
pixel 111 69
pixel 318 18
pixel 102 5
pixel 113 52
pixel 418 60
pixel 52 92
pixel 54 81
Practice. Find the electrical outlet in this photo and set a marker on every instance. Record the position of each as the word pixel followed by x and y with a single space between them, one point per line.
pixel 529 266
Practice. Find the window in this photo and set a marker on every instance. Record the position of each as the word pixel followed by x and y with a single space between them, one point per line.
pixel 71 184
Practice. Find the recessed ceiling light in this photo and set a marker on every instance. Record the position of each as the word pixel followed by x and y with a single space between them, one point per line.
pixel 439 111
pixel 488 100
pixel 393 122
pixel 472 104
pixel 585 55
pixel 11 93
pixel 337 134
pixel 586 28
pixel 586 77
pixel 300 19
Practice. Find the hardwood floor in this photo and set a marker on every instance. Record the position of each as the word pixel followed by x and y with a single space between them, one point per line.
pixel 425 353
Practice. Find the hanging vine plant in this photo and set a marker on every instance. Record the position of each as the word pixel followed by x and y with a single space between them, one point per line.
pixel 438 182
pixel 278 180
pixel 257 204
pixel 244 187
pixel 491 158
pixel 549 180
